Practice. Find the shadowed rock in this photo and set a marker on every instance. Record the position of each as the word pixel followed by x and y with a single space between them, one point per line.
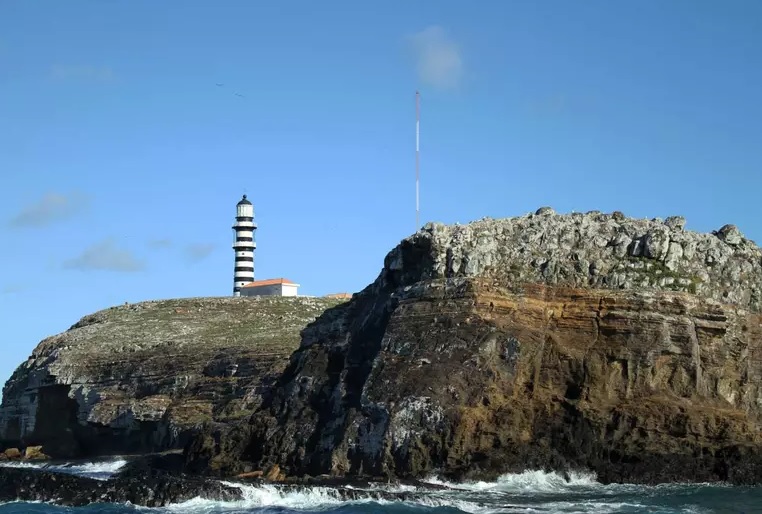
pixel 151 491
pixel 144 377
pixel 730 234
pixel 632 348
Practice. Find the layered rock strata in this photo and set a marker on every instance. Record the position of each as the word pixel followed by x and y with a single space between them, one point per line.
pixel 144 377
pixel 632 348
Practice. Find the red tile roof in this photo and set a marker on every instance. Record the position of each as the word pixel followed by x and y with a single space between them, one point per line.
pixel 269 282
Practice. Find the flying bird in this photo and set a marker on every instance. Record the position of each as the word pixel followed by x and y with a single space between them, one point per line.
pixel 219 84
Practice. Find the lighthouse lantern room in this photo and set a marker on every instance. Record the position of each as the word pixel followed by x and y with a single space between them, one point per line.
pixel 244 245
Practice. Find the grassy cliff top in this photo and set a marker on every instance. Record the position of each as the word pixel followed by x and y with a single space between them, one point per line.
pixel 270 324
pixel 174 341
pixel 157 367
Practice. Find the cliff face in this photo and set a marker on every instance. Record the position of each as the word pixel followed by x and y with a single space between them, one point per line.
pixel 629 347
pixel 144 377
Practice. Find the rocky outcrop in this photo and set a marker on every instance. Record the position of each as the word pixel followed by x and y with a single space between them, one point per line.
pixel 144 377
pixel 162 489
pixel 157 490
pixel 632 348
pixel 596 250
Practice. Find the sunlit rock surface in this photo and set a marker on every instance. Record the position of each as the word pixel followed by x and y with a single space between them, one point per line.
pixel 145 376
pixel 632 348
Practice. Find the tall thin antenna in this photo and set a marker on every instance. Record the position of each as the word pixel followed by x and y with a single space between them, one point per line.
pixel 417 159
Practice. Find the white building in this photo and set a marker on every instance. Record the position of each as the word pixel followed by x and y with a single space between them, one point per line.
pixel 271 287
pixel 244 245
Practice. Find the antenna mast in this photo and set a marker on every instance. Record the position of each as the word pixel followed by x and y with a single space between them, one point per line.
pixel 417 159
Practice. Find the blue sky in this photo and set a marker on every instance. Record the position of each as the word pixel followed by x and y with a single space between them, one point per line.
pixel 121 159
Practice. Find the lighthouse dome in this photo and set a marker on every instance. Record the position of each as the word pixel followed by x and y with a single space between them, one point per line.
pixel 244 201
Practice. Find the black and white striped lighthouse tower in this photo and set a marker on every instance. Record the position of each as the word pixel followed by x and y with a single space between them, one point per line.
pixel 244 245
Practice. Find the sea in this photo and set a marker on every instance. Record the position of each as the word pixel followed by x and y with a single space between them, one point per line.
pixel 528 492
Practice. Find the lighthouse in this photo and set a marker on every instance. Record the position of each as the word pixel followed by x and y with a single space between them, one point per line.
pixel 244 245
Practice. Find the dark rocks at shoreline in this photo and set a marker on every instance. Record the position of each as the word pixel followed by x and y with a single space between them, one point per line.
pixel 161 490
pixel 141 466
pixel 151 491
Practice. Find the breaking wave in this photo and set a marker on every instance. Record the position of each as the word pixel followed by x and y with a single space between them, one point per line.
pixel 533 492
pixel 100 470
pixel 528 481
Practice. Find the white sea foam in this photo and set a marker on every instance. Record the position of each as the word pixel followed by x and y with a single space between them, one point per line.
pixel 317 499
pixel 526 482
pixel 100 470
pixel 389 488
pixel 260 496
pixel 520 493
pixel 470 497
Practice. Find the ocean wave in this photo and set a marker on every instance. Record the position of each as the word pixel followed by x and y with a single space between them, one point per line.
pixel 527 492
pixel 528 481
pixel 99 470
pixel 318 499
pixel 468 497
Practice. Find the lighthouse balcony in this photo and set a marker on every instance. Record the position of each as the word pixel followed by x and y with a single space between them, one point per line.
pixel 245 225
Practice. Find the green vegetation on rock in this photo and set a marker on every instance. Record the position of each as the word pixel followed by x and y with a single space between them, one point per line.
pixel 152 372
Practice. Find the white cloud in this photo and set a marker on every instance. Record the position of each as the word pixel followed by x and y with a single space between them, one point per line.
pixel 439 62
pixel 198 251
pixel 158 244
pixel 49 209
pixel 12 288
pixel 105 256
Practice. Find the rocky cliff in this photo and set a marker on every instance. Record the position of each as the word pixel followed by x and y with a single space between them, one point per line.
pixel 632 348
pixel 143 377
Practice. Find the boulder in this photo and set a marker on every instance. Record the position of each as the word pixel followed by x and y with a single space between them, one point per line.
pixel 34 453
pixel 675 223
pixel 730 235
pixel 12 454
